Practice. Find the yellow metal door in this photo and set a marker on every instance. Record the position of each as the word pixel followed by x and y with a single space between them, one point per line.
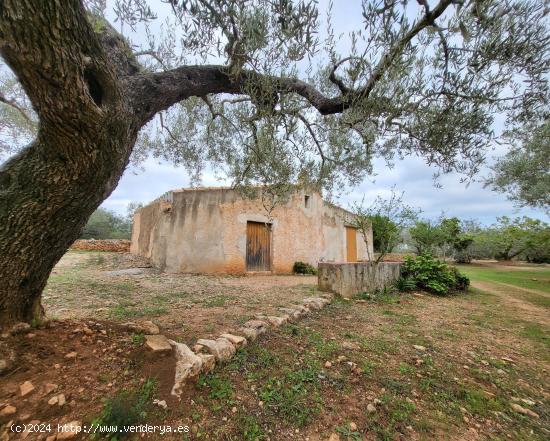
pixel 351 244
pixel 258 246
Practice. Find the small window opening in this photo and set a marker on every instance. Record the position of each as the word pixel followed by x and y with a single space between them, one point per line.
pixel 306 201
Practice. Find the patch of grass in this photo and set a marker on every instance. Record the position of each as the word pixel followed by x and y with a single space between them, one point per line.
pixel 294 394
pixel 152 310
pixel 398 415
pixel 220 388
pixel 122 312
pixel 95 260
pixel 127 408
pixel 536 333
pixel 250 429
pixel 367 367
pixel 324 348
pixel 385 296
pixel 536 279
pixel 216 301
pixel 253 357
pixel 535 299
pixel 346 432
pixel 138 339
pixel 406 369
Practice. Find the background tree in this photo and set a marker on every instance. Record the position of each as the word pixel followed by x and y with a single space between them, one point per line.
pixel 253 88
pixel 386 218
pixel 104 224
pixel 524 173
pixel 515 236
pixel 426 236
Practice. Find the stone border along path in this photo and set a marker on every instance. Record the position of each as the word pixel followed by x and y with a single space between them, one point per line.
pixel 206 353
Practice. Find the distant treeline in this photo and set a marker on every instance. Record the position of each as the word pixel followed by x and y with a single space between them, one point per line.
pixel 105 224
pixel 521 238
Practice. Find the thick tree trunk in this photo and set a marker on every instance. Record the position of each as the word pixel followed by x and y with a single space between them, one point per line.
pixel 44 206
pixel 87 130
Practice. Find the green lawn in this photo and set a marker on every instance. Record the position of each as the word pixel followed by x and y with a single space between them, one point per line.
pixel 537 278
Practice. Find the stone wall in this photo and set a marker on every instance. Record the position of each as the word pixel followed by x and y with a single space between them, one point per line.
pixel 118 245
pixel 348 279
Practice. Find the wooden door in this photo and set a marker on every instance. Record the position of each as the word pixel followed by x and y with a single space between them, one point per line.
pixel 258 246
pixel 351 244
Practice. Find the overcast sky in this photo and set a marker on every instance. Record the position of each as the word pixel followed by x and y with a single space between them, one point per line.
pixel 411 176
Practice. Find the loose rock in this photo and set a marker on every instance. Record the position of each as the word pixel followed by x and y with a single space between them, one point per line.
pixel 20 328
pixel 371 408
pixel 524 411
pixel 145 327
pixel 250 333
pixel 26 388
pixel 188 365
pixel 157 344
pixel 49 388
pixel 208 362
pixel 8 410
pixel 220 348
pixel 237 340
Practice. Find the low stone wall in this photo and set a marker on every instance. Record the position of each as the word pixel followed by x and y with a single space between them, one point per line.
pixel 117 245
pixel 348 279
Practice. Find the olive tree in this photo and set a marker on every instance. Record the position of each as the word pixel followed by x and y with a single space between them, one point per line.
pixel 524 172
pixel 259 89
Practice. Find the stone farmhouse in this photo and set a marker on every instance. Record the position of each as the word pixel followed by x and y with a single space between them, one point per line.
pixel 216 230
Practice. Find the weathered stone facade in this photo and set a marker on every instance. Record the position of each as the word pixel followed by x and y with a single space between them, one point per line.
pixel 205 231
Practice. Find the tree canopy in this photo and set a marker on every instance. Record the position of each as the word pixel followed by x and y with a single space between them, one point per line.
pixel 524 172
pixel 314 104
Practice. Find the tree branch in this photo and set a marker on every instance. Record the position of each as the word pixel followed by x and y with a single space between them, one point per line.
pixel 158 91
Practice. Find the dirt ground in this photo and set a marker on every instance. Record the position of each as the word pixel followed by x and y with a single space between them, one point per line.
pixel 112 286
pixel 473 366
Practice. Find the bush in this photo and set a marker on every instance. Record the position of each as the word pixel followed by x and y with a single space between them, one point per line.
pixel 303 268
pixel 406 284
pixel 427 273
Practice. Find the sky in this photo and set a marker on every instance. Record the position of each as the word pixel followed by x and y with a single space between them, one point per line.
pixel 411 176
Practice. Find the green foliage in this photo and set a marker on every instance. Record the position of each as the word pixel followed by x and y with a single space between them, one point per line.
pixel 104 224
pixel 432 275
pixel 405 284
pixel 220 388
pixel 385 218
pixel 294 394
pixel 138 339
pixel 426 236
pixel 523 173
pixel 128 408
pixel 303 268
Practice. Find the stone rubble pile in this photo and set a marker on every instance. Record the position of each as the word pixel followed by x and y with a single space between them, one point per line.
pixel 117 245
pixel 207 352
